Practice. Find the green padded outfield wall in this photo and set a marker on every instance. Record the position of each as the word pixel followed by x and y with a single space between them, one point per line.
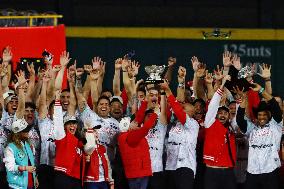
pixel 154 47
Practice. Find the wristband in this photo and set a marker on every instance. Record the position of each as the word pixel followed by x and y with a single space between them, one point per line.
pixel 267 80
pixel 181 85
pixel 261 90
pixel 163 93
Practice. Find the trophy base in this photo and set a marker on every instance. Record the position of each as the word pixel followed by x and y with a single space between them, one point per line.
pixel 147 82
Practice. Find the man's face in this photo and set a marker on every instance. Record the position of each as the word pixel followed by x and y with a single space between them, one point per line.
pixel 71 127
pixel 199 110
pixel 140 96
pixel 262 118
pixel 64 100
pixel 29 115
pixel 152 97
pixel 103 108
pixel 12 106
pixel 107 94
pixel 232 110
pixel 223 116
pixel 189 109
pixel 116 110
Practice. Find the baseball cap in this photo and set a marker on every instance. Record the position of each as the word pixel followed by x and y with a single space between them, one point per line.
pixel 19 125
pixel 116 99
pixel 69 119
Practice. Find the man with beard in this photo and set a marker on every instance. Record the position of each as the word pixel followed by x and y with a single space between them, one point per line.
pixel 219 145
pixel 116 107
pixel 64 99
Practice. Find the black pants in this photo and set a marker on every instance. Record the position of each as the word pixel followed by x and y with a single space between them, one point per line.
pixel 3 180
pixel 182 178
pixel 46 177
pixel 63 181
pixel 263 181
pixel 157 181
pixel 216 178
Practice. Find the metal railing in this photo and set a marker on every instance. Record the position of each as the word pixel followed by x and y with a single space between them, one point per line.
pixel 32 17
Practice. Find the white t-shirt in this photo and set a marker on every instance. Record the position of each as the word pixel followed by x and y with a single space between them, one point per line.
pixel 156 138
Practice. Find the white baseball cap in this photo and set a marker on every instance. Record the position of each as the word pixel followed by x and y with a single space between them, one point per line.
pixel 116 99
pixel 19 125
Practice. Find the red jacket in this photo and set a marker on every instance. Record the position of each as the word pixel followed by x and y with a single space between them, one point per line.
pixel 216 151
pixel 92 167
pixel 68 158
pixel 134 150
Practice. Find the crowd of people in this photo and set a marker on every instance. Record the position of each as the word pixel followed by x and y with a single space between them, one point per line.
pixel 220 130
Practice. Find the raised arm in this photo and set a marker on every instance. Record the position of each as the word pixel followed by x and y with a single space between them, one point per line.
pixel 214 104
pixel 266 74
pixel 79 90
pixel 21 95
pixel 64 60
pixel 163 114
pixel 42 99
pixel 7 58
pixel 209 81
pixel 59 132
pixel 198 82
pixel 94 76
pixel 71 109
pixel 175 105
pixel 31 85
pixel 181 84
pixel 171 62
pixel 116 77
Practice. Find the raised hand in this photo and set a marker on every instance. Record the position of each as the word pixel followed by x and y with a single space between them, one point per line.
pixel 239 92
pixel 21 78
pixel 195 63
pixel 64 58
pixel 31 69
pixel 218 73
pixel 96 61
pixel 118 64
pixel 172 61
pixel 95 74
pixel 133 69
pixel 265 71
pixel 236 61
pixel 200 72
pixel 88 68
pixel 227 59
pixel 7 55
pixel 208 77
pixel 181 74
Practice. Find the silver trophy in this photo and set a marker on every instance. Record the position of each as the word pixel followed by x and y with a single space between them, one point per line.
pixel 246 72
pixel 154 73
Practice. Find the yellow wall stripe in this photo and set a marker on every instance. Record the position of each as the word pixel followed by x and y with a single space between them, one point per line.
pixel 170 33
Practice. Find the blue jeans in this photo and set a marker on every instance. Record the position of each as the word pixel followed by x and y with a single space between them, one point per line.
pixel 96 185
pixel 138 183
